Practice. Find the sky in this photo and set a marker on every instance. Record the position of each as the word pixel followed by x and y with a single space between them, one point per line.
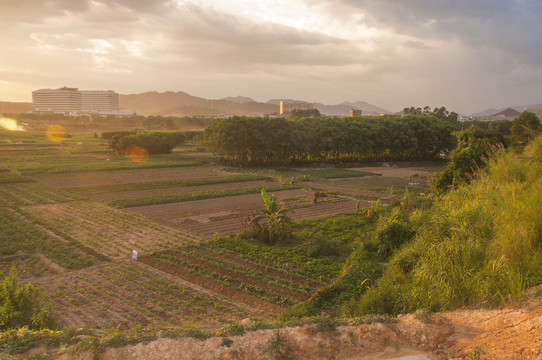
pixel 467 55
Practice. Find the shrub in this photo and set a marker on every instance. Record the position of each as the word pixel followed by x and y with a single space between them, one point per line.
pixel 396 233
pixel 480 242
pixel 21 305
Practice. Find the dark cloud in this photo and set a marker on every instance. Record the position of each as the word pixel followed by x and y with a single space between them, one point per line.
pixel 512 26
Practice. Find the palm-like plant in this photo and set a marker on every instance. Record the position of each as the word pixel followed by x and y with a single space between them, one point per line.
pixel 277 219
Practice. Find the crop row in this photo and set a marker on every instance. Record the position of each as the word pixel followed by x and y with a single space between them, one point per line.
pixel 19 234
pixel 34 193
pixel 173 198
pixel 289 260
pixel 102 231
pixel 7 177
pixel 230 281
pixel 246 273
pixel 132 293
pixel 58 164
pixel 98 189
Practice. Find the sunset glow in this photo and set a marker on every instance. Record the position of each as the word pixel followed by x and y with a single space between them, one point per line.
pixel 467 56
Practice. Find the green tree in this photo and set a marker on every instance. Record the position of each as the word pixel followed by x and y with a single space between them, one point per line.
pixel 21 305
pixel 524 129
pixel 474 145
pixel 277 227
pixel 300 113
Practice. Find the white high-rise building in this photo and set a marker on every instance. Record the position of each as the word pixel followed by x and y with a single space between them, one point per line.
pixel 99 100
pixel 63 100
pixel 72 100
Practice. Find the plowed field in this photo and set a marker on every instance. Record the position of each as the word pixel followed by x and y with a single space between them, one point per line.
pixel 224 215
pixel 92 178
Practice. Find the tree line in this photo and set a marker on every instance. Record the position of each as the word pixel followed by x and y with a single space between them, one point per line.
pixel 249 141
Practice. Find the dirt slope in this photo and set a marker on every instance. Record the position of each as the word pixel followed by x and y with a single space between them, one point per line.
pixel 506 333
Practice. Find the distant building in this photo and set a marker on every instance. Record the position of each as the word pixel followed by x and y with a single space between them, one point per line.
pixel 287 106
pixel 74 101
pixel 64 100
pixel 354 112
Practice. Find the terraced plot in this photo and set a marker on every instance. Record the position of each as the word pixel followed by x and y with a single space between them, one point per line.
pixel 223 215
pixel 123 195
pixel 130 293
pixel 94 178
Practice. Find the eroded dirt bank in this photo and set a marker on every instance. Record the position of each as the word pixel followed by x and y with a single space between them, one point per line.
pixel 505 333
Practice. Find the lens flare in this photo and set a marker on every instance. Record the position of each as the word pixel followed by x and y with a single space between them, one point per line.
pixel 136 153
pixel 10 124
pixel 56 133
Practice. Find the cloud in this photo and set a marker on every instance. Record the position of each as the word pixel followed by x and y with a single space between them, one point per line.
pixel 384 51
pixel 510 26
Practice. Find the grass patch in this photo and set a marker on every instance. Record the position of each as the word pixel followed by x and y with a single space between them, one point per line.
pixel 479 243
pixel 173 198
pixel 166 184
pixel 18 234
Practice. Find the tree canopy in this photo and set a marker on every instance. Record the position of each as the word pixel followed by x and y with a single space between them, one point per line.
pixel 474 145
pixel 524 129
pixel 263 141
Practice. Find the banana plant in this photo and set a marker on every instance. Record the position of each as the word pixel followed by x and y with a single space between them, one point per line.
pixel 277 219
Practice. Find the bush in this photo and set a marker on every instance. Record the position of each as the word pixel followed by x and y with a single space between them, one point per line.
pixel 478 243
pixel 396 233
pixel 21 305
pixel 153 142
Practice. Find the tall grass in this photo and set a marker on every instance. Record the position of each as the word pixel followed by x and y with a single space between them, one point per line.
pixel 481 242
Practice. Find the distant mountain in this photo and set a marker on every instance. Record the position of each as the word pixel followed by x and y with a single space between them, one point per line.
pixel 344 108
pixel 493 111
pixel 277 101
pixel 239 99
pixel 14 107
pixel 341 109
pixel 182 104
pixel 509 112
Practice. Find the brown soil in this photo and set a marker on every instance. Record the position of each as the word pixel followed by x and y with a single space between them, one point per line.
pixel 223 215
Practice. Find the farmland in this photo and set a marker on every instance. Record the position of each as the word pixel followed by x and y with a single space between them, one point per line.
pixel 73 212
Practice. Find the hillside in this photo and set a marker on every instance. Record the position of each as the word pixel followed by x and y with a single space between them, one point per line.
pixel 14 107
pixel 342 109
pixel 183 104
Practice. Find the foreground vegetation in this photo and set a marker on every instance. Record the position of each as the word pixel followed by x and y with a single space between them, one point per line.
pixel 479 242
